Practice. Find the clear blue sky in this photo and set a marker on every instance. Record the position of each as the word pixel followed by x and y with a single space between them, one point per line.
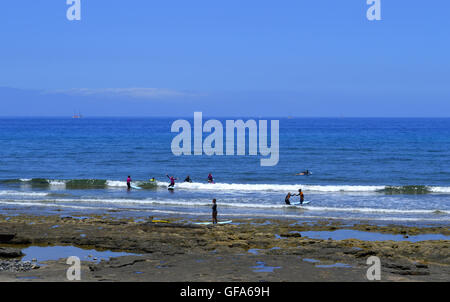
pixel 233 58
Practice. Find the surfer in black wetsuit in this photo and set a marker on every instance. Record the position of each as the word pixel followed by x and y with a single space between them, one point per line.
pixel 214 211
pixel 188 179
pixel 307 173
pixel 286 199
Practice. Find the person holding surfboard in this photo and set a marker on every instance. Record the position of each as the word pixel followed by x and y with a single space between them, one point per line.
pixel 214 212
pixel 302 197
pixel 129 182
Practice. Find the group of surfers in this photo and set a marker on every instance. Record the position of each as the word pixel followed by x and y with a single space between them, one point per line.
pixel 289 195
pixel 214 204
pixel 211 180
pixel 171 179
pixel 188 179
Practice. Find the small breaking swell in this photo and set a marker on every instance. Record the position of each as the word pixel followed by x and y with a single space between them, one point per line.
pixel 25 194
pixel 142 203
pixel 75 183
pixel 413 189
pixel 231 187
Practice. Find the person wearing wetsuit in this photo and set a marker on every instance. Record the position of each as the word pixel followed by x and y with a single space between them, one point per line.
pixel 286 199
pixel 210 178
pixel 188 179
pixel 302 198
pixel 129 182
pixel 214 211
pixel 307 173
pixel 172 181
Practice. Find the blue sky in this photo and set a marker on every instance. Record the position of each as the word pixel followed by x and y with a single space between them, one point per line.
pixel 225 58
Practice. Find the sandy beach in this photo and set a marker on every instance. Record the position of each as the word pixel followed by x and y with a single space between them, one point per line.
pixel 247 250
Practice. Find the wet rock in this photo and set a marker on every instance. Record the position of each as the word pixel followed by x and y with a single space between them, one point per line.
pixel 397 266
pixel 4 238
pixel 420 265
pixel 6 252
pixel 239 244
pixel 364 254
pixel 412 273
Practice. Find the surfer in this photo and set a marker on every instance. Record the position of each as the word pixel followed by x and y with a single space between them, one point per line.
pixel 152 179
pixel 306 172
pixel 188 179
pixel 172 181
pixel 302 197
pixel 286 199
pixel 214 211
pixel 129 182
pixel 210 178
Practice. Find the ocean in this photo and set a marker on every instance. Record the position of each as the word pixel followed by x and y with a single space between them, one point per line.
pixel 380 170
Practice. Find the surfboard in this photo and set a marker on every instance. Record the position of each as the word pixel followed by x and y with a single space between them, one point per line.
pixel 220 222
pixel 135 187
pixel 297 203
pixel 170 188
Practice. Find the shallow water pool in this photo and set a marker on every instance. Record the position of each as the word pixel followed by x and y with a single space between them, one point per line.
pixel 57 252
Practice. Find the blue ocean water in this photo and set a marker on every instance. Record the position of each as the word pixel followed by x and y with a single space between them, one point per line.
pixel 378 169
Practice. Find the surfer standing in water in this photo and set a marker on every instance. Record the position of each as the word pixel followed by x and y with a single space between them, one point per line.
pixel 286 199
pixel 214 212
pixel 129 182
pixel 302 197
pixel 172 180
pixel 210 178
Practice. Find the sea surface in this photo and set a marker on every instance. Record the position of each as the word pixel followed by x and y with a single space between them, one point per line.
pixel 383 170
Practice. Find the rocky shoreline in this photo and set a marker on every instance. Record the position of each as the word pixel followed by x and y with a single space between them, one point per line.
pixel 249 250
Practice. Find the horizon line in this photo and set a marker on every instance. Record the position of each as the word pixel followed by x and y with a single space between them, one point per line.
pixel 221 116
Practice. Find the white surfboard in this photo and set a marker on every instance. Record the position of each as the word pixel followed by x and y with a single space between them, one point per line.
pixel 297 203
pixel 135 187
pixel 220 222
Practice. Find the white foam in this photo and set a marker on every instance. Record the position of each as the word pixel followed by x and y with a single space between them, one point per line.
pixel 301 215
pixel 57 183
pixel 440 189
pixel 238 187
pixel 54 205
pixel 374 210
pixel 207 203
pixel 18 193
pixel 116 183
pixel 271 187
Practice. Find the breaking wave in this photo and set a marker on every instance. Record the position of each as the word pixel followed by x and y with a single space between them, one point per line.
pixel 230 187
